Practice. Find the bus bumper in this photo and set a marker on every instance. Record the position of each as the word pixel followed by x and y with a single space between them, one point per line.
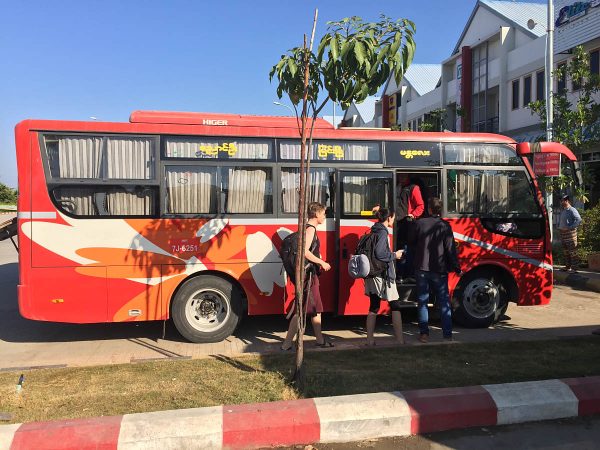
pixel 23 294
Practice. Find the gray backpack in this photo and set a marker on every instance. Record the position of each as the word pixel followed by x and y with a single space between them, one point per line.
pixel 358 266
pixel 364 264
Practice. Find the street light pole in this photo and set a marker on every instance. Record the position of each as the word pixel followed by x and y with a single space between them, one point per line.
pixel 285 106
pixel 549 68
pixel 549 97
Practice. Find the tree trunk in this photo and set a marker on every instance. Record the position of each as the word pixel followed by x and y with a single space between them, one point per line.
pixel 298 378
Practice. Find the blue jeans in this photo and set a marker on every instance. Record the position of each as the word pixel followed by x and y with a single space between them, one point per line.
pixel 438 283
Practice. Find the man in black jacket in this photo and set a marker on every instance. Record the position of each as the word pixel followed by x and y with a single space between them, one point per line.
pixel 435 256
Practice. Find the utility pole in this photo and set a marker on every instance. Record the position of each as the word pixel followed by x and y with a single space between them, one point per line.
pixel 549 92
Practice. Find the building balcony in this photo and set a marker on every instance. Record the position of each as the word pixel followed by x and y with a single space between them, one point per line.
pixel 490 125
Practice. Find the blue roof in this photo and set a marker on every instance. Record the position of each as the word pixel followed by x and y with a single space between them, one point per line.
pixel 515 12
pixel 423 77
pixel 366 109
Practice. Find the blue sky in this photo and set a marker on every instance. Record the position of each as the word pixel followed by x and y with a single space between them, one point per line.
pixel 67 59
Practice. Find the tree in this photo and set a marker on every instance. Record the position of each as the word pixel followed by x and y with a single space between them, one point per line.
pixel 434 121
pixel 576 123
pixel 353 60
pixel 8 196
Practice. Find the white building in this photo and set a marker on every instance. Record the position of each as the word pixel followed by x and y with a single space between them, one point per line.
pixel 363 114
pixel 578 23
pixel 496 68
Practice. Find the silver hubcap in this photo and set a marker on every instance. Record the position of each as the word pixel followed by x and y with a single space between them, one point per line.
pixel 481 298
pixel 207 310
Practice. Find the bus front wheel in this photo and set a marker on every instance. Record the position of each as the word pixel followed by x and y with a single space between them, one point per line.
pixel 481 299
pixel 207 308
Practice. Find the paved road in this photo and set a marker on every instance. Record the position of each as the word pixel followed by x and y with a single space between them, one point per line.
pixel 582 433
pixel 25 343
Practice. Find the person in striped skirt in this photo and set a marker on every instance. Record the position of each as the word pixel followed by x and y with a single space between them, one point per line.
pixel 567 226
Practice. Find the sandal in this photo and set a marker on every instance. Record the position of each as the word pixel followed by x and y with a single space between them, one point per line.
pixel 325 344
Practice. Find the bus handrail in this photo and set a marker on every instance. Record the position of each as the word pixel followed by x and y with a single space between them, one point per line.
pixel 528 148
pixel 8 230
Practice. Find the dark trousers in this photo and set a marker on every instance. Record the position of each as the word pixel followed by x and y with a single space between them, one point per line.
pixel 438 283
pixel 406 267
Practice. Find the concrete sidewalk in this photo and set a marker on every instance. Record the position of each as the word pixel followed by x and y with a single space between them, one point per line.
pixel 319 420
pixel 584 279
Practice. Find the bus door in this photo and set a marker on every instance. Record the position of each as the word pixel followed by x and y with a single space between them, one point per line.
pixel 428 182
pixel 359 191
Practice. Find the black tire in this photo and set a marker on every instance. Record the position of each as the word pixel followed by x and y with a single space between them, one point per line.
pixel 480 299
pixel 207 308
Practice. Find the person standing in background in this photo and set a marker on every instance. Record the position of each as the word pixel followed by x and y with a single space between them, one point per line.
pixel 568 222
pixel 435 256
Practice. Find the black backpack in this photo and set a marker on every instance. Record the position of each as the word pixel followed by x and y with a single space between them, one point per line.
pixel 366 246
pixel 288 252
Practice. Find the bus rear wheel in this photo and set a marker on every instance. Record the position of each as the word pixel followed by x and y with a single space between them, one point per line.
pixel 207 308
pixel 481 299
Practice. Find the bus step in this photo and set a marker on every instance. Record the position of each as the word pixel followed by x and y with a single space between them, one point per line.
pixel 407 292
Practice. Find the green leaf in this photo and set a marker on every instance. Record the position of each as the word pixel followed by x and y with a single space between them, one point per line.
pixel 322 46
pixel 334 47
pixel 396 44
pixel 292 67
pixel 359 53
pixel 346 46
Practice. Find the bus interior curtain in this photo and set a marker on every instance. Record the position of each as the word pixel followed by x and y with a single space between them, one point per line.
pixel 191 148
pixel 355 188
pixel 478 154
pixel 247 190
pixel 191 190
pixel 352 151
pixel 129 158
pixel 76 200
pixel 125 202
pixel 318 190
pixel 494 192
pixel 80 157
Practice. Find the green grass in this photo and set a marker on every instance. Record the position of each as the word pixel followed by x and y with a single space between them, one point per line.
pixel 121 389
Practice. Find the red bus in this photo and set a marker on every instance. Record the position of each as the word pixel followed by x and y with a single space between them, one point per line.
pixel 180 215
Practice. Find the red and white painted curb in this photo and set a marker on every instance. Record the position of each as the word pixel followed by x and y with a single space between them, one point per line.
pixel 330 419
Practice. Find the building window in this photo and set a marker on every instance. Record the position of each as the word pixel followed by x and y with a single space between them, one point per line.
pixel 595 62
pixel 562 80
pixel 540 83
pixel 527 90
pixel 515 94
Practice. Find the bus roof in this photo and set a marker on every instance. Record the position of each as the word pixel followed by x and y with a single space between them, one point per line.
pixel 219 119
pixel 220 124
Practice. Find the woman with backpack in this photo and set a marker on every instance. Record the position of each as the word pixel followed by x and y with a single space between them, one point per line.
pixel 312 296
pixel 383 286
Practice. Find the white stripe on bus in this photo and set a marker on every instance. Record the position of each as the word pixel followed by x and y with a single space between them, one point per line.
pixel 503 251
pixel 36 215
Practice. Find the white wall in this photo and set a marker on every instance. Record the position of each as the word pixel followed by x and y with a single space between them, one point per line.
pixel 493 72
pixel 451 92
pixel 494 48
pixel 424 104
pixel 521 38
pixel 483 24
pixel 527 58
